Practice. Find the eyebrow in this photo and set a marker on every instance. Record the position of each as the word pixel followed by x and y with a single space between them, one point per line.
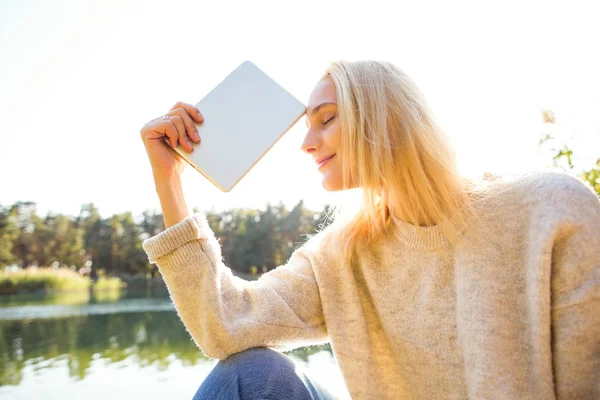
pixel 317 108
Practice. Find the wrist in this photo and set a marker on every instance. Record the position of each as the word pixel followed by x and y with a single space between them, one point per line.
pixel 170 193
pixel 172 202
pixel 166 177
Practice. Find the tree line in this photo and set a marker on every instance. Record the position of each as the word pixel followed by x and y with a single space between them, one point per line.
pixel 251 240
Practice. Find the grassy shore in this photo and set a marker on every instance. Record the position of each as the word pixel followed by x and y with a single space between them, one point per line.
pixel 50 279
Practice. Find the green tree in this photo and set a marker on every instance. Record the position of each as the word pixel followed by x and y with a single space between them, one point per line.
pixel 250 239
pixel 25 248
pixel 8 234
pixel 95 237
pixel 127 254
pixel 563 156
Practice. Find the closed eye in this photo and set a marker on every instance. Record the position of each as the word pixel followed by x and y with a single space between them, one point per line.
pixel 329 120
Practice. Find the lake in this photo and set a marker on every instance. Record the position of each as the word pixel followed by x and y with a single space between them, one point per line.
pixel 77 345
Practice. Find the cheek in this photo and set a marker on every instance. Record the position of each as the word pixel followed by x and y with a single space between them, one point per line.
pixel 333 138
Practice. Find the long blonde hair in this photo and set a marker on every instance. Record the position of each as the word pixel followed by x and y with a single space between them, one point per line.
pixel 398 156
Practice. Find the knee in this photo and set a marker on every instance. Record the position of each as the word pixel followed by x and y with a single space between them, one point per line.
pixel 259 358
pixel 254 373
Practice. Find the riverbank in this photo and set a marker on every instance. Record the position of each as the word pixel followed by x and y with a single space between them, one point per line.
pixel 54 280
pixel 42 280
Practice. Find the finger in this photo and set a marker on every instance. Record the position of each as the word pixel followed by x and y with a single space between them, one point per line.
pixel 183 139
pixel 191 110
pixel 160 128
pixel 190 127
pixel 168 129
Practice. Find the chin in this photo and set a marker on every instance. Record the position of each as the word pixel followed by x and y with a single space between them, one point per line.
pixel 331 186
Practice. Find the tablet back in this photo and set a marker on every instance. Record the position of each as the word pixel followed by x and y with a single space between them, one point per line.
pixel 243 118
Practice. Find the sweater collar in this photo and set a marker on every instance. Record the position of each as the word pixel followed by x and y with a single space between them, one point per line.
pixel 419 237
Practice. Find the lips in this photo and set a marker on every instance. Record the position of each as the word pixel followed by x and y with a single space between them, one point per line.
pixel 323 160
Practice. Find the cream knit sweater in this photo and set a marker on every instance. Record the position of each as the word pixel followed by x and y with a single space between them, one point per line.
pixel 515 313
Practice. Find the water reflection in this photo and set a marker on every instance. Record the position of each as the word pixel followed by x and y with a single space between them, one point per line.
pixel 141 332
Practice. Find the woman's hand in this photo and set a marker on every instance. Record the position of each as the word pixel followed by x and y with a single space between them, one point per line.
pixel 178 126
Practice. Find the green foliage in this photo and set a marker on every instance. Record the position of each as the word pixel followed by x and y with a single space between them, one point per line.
pixel 262 239
pixel 32 279
pixel 566 153
pixel 54 279
pixel 249 238
pixel 593 177
pixel 564 157
pixel 8 234
pixel 109 283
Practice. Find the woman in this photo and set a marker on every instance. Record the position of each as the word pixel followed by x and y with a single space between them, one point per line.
pixel 437 287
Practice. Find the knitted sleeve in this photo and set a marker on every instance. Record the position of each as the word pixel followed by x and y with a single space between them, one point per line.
pixel 225 314
pixel 575 297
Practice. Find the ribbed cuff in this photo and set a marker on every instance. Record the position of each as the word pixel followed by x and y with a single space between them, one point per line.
pixel 191 228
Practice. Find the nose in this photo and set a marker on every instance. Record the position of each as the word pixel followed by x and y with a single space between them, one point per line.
pixel 311 142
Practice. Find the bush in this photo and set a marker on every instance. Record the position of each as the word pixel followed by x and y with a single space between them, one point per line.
pixel 109 283
pixel 32 279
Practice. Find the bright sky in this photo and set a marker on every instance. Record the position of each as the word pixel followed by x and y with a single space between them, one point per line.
pixel 79 79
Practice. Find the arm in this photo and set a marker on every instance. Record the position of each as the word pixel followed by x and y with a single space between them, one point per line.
pixel 225 314
pixel 170 193
pixel 576 297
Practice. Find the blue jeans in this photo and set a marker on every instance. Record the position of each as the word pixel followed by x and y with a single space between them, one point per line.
pixel 259 373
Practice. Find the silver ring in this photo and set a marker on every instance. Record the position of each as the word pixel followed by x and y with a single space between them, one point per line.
pixel 165 117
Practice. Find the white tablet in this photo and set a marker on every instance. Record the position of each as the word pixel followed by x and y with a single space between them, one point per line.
pixel 244 116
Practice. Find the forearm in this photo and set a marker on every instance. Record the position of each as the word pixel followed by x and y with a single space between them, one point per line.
pixel 170 193
pixel 225 314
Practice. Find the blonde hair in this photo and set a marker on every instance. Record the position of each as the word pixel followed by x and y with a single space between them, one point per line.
pixel 398 156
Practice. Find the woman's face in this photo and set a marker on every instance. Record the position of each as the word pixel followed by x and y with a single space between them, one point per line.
pixel 324 137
